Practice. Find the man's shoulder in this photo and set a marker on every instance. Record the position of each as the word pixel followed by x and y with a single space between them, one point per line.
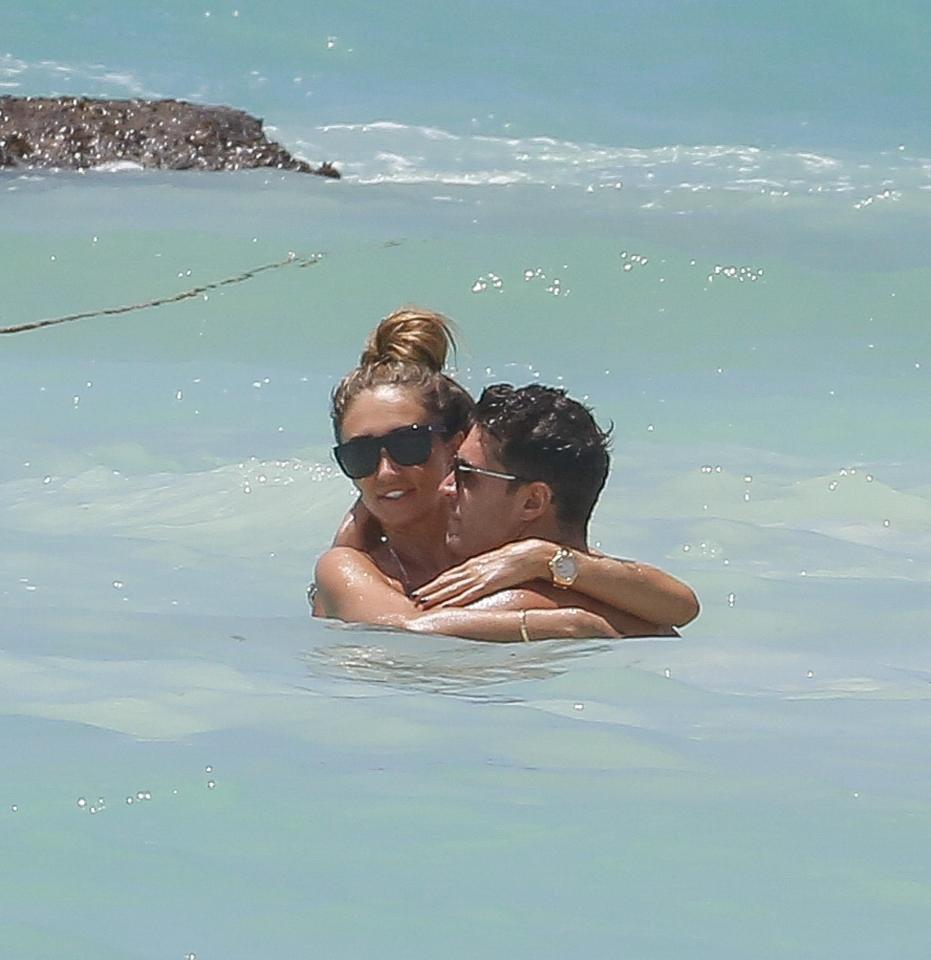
pixel 539 595
pixel 533 596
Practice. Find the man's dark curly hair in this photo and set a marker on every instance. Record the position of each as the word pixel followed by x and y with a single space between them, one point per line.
pixel 541 434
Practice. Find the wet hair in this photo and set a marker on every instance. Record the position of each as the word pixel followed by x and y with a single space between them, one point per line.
pixel 408 349
pixel 539 433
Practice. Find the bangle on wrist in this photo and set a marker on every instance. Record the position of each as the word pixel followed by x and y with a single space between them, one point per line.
pixel 524 632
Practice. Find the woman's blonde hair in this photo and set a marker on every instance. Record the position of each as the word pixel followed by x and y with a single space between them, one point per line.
pixel 411 335
pixel 409 349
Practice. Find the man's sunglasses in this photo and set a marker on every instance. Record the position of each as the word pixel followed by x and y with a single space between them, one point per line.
pixel 407 446
pixel 461 467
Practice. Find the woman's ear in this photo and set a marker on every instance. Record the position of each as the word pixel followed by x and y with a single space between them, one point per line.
pixel 536 498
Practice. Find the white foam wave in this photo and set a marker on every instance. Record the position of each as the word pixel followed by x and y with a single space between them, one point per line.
pixel 118 166
pixel 10 66
pixel 53 78
pixel 431 133
pixel 387 151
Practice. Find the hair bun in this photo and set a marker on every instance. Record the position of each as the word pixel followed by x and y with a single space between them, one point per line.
pixel 411 335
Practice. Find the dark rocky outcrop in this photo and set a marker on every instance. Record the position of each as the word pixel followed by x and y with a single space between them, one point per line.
pixel 77 133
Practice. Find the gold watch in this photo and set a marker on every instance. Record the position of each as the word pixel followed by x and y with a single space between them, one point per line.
pixel 564 568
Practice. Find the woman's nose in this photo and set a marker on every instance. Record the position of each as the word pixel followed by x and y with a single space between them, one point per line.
pixel 385 464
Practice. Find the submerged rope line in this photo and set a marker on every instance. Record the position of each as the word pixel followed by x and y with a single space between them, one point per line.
pixel 292 260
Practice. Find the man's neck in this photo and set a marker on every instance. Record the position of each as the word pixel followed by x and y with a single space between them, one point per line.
pixel 547 528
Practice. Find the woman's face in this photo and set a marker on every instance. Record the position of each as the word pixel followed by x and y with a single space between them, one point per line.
pixel 396 494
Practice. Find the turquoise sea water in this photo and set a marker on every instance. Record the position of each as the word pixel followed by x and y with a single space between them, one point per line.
pixel 759 788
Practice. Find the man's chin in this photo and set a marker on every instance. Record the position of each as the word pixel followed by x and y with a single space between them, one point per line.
pixel 463 549
pixel 458 546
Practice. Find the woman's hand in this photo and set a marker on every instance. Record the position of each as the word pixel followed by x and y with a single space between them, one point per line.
pixel 508 566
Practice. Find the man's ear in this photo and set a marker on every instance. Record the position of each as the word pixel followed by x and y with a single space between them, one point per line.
pixel 536 499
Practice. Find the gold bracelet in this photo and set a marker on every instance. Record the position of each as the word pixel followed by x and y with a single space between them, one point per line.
pixel 524 633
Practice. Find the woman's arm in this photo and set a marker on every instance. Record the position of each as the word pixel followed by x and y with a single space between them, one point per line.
pixel 352 588
pixel 637 588
pixel 513 626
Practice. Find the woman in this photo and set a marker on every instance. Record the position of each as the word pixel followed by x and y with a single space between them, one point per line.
pixel 398 422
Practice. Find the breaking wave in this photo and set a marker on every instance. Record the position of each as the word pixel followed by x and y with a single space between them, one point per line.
pixel 390 152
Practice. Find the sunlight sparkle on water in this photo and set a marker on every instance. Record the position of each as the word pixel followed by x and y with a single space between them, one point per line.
pixel 632 260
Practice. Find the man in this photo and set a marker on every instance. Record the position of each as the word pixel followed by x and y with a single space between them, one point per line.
pixel 530 470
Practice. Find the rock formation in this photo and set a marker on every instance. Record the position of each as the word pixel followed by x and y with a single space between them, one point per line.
pixel 77 133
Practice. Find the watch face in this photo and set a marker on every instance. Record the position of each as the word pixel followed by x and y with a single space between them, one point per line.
pixel 565 567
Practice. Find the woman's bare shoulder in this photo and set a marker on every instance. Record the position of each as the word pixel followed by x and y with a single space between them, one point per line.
pixel 351 586
pixel 340 561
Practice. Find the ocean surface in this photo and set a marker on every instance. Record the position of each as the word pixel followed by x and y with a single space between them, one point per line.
pixel 709 220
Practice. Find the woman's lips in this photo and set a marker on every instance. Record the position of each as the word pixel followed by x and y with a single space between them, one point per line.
pixel 393 495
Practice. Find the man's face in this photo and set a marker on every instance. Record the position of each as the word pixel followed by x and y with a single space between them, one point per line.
pixel 485 510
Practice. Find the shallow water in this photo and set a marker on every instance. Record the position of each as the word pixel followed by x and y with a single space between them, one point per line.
pixel 759 787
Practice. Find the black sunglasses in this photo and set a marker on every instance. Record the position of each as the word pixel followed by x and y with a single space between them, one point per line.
pixel 407 446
